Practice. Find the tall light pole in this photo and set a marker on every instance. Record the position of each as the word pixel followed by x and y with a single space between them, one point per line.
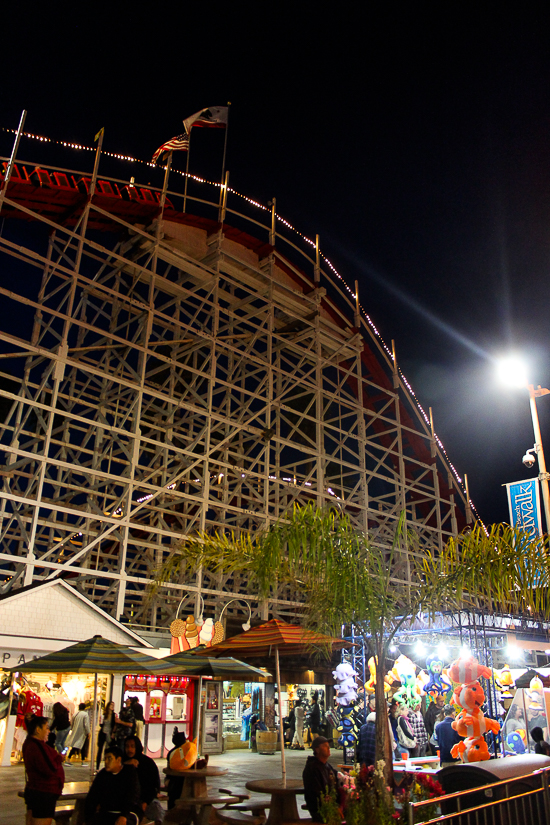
pixel 513 373
pixel 543 475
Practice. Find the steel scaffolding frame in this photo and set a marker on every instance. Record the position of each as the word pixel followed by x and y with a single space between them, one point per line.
pixel 179 375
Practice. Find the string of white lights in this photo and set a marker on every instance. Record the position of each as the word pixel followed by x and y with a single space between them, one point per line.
pixel 290 227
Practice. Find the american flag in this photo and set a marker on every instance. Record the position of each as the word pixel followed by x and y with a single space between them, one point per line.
pixel 179 143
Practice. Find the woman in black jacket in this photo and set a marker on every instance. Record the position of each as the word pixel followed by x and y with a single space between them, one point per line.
pixel 61 725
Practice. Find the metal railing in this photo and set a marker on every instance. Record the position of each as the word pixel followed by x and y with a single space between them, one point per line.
pixel 513 806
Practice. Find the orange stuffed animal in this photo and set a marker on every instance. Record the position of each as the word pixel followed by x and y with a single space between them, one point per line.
pixel 470 697
pixel 468 670
pixel 471 750
pixel 473 725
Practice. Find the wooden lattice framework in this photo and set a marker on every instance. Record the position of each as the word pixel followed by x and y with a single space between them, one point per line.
pixel 194 374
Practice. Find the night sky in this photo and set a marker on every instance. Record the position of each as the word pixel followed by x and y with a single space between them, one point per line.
pixel 415 142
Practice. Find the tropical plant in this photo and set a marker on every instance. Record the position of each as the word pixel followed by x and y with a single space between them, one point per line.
pixel 346 578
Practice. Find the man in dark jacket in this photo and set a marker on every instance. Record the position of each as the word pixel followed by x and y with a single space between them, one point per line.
pixel 367 741
pixel 318 776
pixel 148 776
pixel 447 737
pixel 313 719
pixel 114 798
pixel 430 717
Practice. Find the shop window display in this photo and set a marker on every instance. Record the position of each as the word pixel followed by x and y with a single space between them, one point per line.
pixel 241 700
pixel 167 703
pixel 529 709
pixel 37 694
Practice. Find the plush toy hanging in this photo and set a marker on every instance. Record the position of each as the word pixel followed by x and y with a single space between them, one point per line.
pixel 346 693
pixel 409 692
pixel 370 686
pixel 470 722
pixel 346 687
pixel 505 680
pixel 437 684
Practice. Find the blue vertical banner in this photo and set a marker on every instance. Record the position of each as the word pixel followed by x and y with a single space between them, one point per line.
pixel 524 504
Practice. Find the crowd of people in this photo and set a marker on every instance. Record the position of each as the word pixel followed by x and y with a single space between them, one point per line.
pixel 412 733
pixel 124 792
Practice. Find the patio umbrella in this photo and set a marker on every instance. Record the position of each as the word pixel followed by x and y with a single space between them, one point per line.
pixel 188 664
pixel 225 667
pixel 97 655
pixel 278 638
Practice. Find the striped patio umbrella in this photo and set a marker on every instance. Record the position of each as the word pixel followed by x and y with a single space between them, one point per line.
pixel 279 639
pixel 97 655
pixel 225 667
pixel 265 639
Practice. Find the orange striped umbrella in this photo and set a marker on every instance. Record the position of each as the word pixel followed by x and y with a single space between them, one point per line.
pixel 288 639
pixel 278 638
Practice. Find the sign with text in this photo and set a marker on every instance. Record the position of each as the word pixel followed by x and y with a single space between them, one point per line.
pixel 524 504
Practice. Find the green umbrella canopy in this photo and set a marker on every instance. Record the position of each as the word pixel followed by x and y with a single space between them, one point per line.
pixel 97 655
pixel 187 664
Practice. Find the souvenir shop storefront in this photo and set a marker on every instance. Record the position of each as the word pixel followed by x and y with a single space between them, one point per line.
pixel 168 702
pixel 40 619
pixel 37 693
pixel 242 703
pixel 246 703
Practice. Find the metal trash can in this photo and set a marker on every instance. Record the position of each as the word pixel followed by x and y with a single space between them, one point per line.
pixel 519 770
pixel 266 741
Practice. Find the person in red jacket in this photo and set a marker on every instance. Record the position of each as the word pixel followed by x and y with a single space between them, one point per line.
pixel 44 770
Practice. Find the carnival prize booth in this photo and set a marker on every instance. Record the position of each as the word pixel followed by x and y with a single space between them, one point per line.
pixel 168 702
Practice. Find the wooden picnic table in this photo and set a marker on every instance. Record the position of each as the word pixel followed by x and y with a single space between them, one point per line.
pixel 194 780
pixel 77 791
pixel 195 804
pixel 283 807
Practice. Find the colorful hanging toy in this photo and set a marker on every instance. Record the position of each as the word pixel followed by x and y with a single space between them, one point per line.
pixel 370 686
pixel 409 692
pixel 346 687
pixel 470 722
pixel 437 685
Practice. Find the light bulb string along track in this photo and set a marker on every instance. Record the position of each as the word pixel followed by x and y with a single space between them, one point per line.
pixel 118 156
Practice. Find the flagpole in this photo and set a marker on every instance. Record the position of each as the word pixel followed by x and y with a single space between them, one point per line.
pixel 187 172
pixel 161 212
pixel 225 147
pixel 164 191
pixel 223 200
pixel 11 161
pixel 99 138
pixel 86 212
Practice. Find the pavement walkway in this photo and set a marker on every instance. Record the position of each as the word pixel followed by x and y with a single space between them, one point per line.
pixel 242 766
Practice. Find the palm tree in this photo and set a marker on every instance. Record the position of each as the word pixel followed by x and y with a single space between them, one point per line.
pixel 346 578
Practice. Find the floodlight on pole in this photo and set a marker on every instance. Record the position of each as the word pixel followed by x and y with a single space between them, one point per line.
pixel 513 372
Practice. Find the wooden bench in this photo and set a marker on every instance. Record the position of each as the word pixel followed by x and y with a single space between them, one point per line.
pixel 238 817
pixel 257 808
pixel 63 814
pixel 241 796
